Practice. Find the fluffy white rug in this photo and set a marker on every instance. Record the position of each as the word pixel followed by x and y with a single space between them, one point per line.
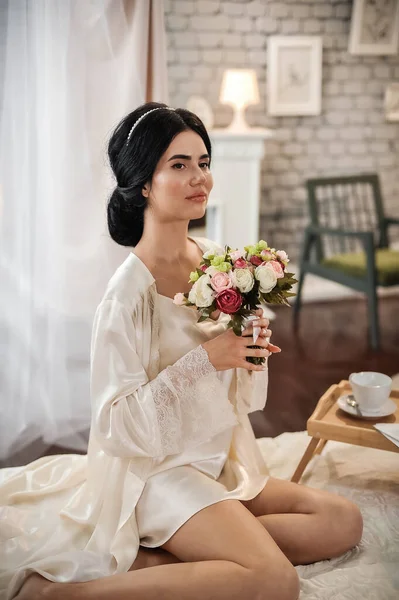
pixel 371 479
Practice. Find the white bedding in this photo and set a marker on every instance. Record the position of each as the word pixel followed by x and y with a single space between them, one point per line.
pixel 371 479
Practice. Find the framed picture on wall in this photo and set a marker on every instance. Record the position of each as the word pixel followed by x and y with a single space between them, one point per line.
pixel 374 27
pixel 392 102
pixel 294 75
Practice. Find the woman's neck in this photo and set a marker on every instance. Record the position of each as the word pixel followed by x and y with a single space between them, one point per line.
pixel 166 244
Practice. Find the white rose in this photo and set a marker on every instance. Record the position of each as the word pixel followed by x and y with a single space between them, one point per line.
pixel 201 294
pixel 243 279
pixel 267 278
pixel 214 251
pixel 192 295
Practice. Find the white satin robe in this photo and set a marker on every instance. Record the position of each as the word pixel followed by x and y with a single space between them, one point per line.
pixel 73 517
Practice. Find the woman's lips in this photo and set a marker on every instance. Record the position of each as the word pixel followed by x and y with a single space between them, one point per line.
pixel 198 198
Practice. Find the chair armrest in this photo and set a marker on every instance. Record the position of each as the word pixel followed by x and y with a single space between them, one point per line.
pixel 366 237
pixel 391 221
pixel 317 230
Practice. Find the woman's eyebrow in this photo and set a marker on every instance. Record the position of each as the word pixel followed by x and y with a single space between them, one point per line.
pixel 186 157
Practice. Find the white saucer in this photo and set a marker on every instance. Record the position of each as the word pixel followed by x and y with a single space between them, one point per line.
pixel 387 409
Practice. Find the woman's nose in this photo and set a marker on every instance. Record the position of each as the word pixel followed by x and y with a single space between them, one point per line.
pixel 198 176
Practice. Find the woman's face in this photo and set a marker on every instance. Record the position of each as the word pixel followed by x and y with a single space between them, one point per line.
pixel 182 179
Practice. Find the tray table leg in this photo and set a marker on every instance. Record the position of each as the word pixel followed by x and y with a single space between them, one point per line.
pixel 305 459
pixel 320 447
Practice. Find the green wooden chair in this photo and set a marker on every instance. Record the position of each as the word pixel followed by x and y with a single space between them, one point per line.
pixel 347 240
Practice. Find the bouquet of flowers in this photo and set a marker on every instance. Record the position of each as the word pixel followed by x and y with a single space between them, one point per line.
pixel 237 282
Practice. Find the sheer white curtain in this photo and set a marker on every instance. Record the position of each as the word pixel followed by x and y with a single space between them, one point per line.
pixel 69 70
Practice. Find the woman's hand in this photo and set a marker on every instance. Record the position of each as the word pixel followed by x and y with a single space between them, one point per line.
pixel 229 351
pixel 265 332
pixel 215 315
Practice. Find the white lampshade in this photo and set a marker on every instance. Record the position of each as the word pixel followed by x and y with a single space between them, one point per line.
pixel 240 89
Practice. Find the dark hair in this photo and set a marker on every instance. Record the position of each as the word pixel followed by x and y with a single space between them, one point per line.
pixel 134 161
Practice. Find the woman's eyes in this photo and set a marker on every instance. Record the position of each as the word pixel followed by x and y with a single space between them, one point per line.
pixel 178 166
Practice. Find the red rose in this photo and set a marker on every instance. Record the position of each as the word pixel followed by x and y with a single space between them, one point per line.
pixel 255 260
pixel 240 263
pixel 228 301
pixel 203 268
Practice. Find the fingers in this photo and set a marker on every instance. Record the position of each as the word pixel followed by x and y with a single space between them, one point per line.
pixel 263 341
pixel 274 349
pixel 262 323
pixel 251 367
pixel 258 352
pixel 266 333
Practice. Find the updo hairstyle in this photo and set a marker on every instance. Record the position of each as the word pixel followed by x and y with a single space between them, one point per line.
pixel 134 161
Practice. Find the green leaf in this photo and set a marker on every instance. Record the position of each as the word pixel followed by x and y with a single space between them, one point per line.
pixel 237 321
pixel 237 328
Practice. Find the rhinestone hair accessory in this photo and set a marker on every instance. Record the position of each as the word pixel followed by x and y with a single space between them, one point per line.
pixel 143 116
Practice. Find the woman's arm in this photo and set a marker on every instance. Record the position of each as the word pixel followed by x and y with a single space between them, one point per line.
pixel 185 405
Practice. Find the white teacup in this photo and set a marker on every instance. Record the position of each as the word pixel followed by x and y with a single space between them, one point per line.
pixel 371 389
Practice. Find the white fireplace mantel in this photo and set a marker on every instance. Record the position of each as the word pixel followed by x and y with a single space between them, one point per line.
pixel 233 206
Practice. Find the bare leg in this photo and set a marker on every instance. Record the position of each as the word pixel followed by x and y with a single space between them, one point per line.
pixel 152 557
pixel 226 554
pixel 304 538
pixel 307 524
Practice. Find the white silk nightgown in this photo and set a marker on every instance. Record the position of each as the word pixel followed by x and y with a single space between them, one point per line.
pixel 184 484
pixel 169 436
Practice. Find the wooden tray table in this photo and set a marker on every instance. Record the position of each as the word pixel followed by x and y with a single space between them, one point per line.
pixel 329 422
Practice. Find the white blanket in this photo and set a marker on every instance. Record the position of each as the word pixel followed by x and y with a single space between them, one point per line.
pixel 371 479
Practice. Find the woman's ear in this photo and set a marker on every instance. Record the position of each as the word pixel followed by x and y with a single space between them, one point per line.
pixel 145 190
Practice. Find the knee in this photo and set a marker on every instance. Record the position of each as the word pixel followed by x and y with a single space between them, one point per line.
pixel 354 520
pixel 349 522
pixel 280 582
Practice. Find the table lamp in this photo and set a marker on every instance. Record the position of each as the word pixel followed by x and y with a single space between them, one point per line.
pixel 239 89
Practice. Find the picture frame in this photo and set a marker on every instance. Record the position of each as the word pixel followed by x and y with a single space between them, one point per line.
pixel 294 67
pixel 391 102
pixel 374 27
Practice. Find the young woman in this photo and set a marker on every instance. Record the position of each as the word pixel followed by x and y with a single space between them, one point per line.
pixel 173 479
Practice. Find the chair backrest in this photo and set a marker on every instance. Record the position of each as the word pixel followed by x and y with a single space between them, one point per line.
pixel 346 203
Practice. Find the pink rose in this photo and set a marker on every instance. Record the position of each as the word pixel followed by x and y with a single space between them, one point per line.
pixel 179 299
pixel 235 255
pixel 221 281
pixel 277 268
pixel 240 263
pixel 283 256
pixel 255 260
pixel 203 268
pixel 267 255
pixel 229 301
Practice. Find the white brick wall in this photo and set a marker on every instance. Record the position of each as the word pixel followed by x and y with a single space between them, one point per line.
pixel 351 134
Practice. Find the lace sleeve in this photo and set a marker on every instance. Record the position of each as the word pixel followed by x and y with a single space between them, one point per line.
pixel 191 402
pixel 183 406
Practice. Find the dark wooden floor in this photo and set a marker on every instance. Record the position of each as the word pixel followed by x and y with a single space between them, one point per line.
pixel 331 344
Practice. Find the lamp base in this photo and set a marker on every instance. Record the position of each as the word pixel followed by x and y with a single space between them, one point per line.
pixel 239 123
